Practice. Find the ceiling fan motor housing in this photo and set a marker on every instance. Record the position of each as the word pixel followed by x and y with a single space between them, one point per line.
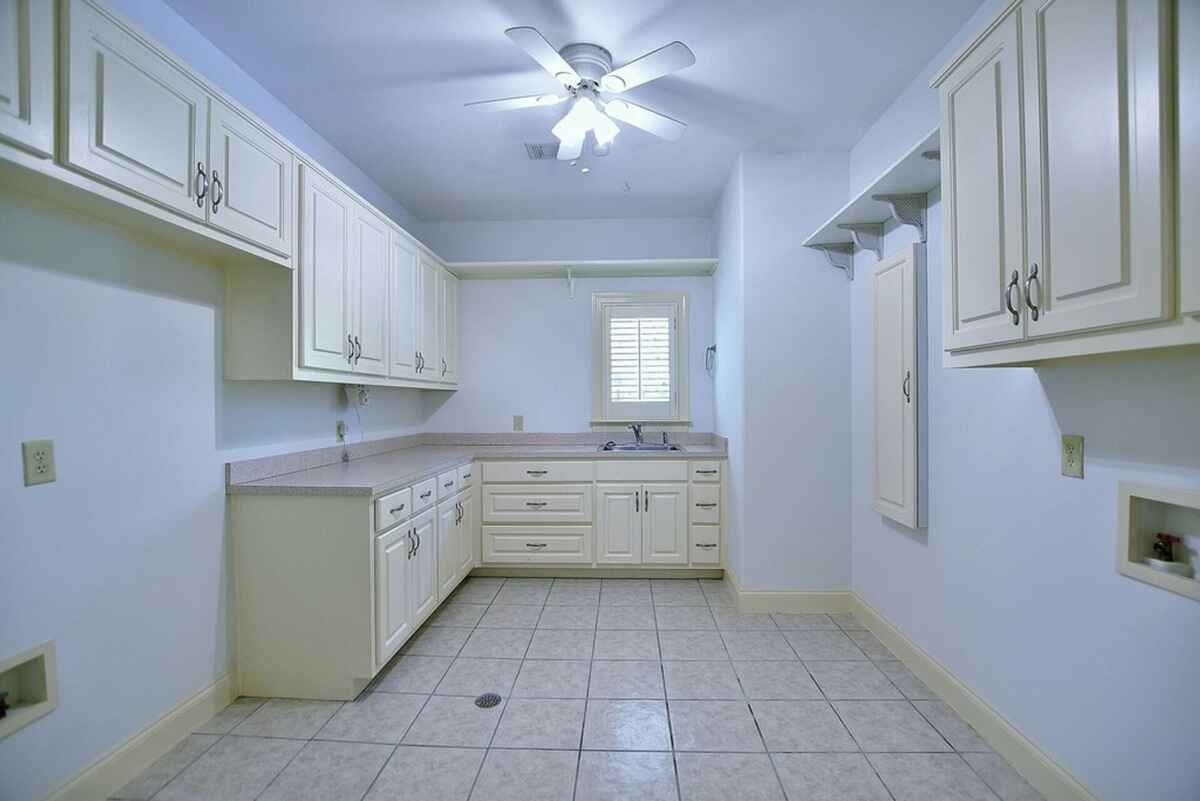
pixel 591 61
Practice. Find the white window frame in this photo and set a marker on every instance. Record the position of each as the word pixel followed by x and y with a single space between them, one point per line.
pixel 604 415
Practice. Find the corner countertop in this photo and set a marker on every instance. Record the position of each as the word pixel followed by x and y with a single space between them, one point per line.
pixel 372 476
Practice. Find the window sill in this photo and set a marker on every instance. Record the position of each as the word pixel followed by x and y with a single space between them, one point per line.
pixel 656 425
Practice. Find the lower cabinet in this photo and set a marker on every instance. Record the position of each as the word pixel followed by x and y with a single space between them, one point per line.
pixel 424 588
pixel 642 524
pixel 456 528
pixel 394 578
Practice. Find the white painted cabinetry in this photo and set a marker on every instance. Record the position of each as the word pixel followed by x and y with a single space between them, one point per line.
pixel 326 217
pixel 664 524
pixel 429 322
pixel 897 387
pixel 448 326
pixel 424 586
pixel 619 524
pixel 1059 183
pixel 394 571
pixel 27 75
pixel 369 254
pixel 404 291
pixel 1187 53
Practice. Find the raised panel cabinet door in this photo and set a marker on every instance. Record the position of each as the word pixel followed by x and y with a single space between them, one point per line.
pixel 134 119
pixel 896 383
pixel 393 622
pixel 468 531
pixel 251 176
pixel 619 524
pixel 447 547
pixel 403 307
pixel 326 323
pixel 981 193
pixel 1098 148
pixel 449 328
pixel 429 365
pixel 423 583
pixel 664 524
pixel 1188 108
pixel 369 265
pixel 27 74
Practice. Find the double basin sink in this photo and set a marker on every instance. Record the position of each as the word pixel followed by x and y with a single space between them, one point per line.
pixel 640 446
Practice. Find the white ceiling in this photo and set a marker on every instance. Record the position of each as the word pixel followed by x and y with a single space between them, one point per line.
pixel 385 81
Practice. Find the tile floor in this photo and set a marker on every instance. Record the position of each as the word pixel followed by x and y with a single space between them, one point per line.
pixel 612 690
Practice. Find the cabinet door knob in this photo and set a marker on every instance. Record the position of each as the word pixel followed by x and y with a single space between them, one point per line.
pixel 1015 311
pixel 1035 309
pixel 201 184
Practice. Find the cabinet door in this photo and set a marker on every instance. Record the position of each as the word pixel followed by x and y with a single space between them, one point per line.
pixel 393 622
pixel 429 340
pixel 1188 108
pixel 1097 141
pixel 369 273
pixel 449 328
pixel 896 386
pixel 423 583
pixel 325 318
pixel 664 524
pixel 133 118
pixel 403 307
pixel 447 547
pixel 27 74
pixel 981 193
pixel 619 524
pixel 468 531
pixel 255 172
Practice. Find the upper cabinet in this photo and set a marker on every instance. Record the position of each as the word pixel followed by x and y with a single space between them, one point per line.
pixel 1187 89
pixel 404 288
pixel 369 292
pixel 429 321
pixel 448 328
pixel 27 75
pixel 326 317
pixel 134 119
pixel 1059 128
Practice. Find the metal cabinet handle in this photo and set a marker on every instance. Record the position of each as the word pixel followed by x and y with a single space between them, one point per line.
pixel 706 472
pixel 707 505
pixel 1035 309
pixel 646 502
pixel 201 188
pixel 466 476
pixel 448 484
pixel 535 545
pixel 637 501
pixel 218 193
pixel 418 550
pixel 426 494
pixel 1015 311
pixel 412 544
pixel 399 508
pixel 706 545
pixel 535 472
pixel 350 343
pixel 443 367
pixel 906 387
pixel 535 504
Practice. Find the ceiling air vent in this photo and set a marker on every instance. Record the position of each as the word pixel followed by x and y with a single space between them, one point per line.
pixel 539 152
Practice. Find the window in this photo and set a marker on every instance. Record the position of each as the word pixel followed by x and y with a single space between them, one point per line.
pixel 638 346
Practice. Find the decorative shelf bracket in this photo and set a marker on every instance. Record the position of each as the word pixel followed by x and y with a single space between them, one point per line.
pixel 868 236
pixel 840 255
pixel 570 284
pixel 907 209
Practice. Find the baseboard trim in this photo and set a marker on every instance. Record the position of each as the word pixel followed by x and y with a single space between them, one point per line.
pixel 1051 779
pixel 788 601
pixel 534 571
pixel 121 765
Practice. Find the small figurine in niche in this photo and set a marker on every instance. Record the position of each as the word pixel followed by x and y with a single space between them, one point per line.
pixel 1164 546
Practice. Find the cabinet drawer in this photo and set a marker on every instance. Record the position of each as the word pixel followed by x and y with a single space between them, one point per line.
pixel 424 495
pixel 705 545
pixel 705 471
pixel 393 508
pixel 544 472
pixel 447 484
pixel 533 544
pixel 641 470
pixel 521 503
pixel 705 503
pixel 466 476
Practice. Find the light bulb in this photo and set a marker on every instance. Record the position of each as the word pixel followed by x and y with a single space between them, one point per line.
pixel 605 130
pixel 584 117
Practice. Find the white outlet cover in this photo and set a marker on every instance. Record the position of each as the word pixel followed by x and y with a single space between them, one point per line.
pixel 38 458
pixel 518 422
pixel 1072 455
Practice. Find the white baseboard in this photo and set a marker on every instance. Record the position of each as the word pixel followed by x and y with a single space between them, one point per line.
pixel 124 763
pixel 791 601
pixel 1051 779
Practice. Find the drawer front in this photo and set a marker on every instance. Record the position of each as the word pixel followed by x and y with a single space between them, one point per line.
pixel 393 508
pixel 538 544
pixel 641 470
pixel 466 476
pixel 424 495
pixel 705 504
pixel 447 484
pixel 543 472
pixel 521 503
pixel 705 545
pixel 705 471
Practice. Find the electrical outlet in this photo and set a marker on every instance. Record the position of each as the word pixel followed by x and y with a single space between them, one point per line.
pixel 341 430
pixel 518 422
pixel 1072 455
pixel 38 456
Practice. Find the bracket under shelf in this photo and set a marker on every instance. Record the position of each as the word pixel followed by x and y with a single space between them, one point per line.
pixel 840 255
pixel 868 236
pixel 908 209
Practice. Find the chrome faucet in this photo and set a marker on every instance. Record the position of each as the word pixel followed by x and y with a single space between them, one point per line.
pixel 637 432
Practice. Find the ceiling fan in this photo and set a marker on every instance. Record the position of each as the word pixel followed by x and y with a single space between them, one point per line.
pixel 586 73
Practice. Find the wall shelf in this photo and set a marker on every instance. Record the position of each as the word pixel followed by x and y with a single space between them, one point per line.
pixel 892 196
pixel 572 270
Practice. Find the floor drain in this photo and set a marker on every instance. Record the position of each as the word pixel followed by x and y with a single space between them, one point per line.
pixel 487 700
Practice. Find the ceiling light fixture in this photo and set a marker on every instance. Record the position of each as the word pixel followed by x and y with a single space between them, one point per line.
pixel 582 118
pixel 612 83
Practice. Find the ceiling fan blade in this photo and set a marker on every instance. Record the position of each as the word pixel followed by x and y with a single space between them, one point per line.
pixel 650 121
pixel 533 43
pixel 571 148
pixel 510 103
pixel 655 64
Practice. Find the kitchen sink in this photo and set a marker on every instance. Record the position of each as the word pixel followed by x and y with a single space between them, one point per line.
pixel 639 446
